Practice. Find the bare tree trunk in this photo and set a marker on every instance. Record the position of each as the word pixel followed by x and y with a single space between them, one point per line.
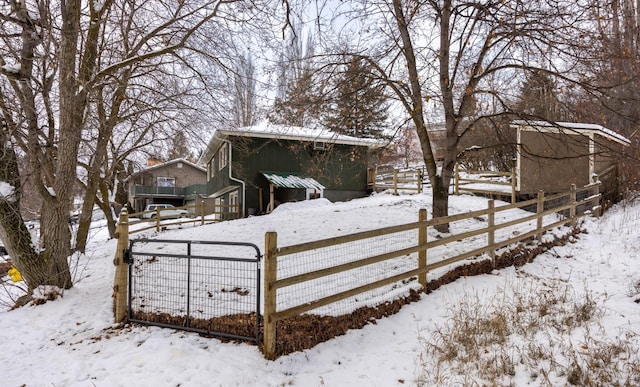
pixel 105 205
pixel 439 187
pixel 13 231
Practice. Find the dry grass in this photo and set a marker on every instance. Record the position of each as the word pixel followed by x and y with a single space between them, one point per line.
pixel 545 331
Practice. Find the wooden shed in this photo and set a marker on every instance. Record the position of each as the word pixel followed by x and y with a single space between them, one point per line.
pixel 553 155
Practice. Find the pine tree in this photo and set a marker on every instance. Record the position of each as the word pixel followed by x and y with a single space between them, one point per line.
pixel 179 147
pixel 538 97
pixel 300 106
pixel 359 107
pixel 297 102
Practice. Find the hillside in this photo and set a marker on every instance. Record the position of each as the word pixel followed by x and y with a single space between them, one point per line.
pixel 586 317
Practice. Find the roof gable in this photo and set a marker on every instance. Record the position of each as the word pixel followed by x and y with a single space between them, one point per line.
pixel 165 164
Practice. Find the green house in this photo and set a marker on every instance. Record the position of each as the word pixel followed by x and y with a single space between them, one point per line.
pixel 259 167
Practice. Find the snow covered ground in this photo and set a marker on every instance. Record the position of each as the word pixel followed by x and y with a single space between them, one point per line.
pixel 72 341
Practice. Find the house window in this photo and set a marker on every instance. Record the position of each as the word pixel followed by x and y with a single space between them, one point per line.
pixel 319 145
pixel 166 181
pixel 222 156
pixel 212 168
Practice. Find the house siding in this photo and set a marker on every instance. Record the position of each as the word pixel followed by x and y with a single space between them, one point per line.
pixel 185 176
pixel 342 169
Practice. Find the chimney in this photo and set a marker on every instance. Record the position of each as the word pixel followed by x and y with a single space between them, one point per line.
pixel 151 161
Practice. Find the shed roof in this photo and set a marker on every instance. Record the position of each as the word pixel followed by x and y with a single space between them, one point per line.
pixel 292 180
pixel 577 127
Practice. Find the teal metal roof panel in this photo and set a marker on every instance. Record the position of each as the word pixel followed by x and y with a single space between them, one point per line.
pixel 292 180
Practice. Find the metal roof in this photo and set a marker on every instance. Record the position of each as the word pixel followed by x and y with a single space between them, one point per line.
pixel 284 132
pixel 292 180
pixel 576 127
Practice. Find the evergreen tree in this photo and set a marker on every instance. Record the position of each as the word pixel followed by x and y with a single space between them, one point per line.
pixel 297 102
pixel 180 147
pixel 300 106
pixel 359 107
pixel 538 97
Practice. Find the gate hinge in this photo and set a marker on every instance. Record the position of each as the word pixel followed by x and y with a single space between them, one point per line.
pixel 126 256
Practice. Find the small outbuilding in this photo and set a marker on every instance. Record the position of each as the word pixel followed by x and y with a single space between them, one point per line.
pixel 261 166
pixel 553 155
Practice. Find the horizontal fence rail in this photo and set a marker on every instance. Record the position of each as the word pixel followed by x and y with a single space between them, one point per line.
pixel 410 179
pixel 334 274
pixel 155 219
pixel 485 183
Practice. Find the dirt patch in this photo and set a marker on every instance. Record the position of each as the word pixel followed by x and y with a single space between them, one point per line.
pixel 240 324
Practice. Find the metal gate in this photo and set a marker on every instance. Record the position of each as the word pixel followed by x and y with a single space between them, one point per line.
pixel 211 288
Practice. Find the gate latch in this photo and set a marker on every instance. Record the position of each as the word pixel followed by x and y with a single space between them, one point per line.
pixel 126 257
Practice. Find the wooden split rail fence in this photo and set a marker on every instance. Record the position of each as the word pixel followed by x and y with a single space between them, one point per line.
pixel 409 179
pixel 421 251
pixel 532 225
pixel 195 213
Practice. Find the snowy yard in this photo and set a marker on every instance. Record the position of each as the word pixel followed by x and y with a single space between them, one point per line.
pixel 72 341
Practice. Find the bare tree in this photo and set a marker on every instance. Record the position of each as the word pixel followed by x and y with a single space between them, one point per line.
pixel 460 62
pixel 612 66
pixel 56 58
pixel 244 111
pixel 298 102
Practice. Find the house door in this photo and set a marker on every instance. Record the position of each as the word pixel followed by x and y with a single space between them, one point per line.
pixel 217 208
pixel 234 204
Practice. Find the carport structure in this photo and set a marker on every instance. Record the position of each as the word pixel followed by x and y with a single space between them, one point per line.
pixel 294 182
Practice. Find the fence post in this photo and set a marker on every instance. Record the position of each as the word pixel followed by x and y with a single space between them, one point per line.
pixel 121 279
pixel 572 199
pixel 513 186
pixel 422 253
pixel 540 210
pixel 419 171
pixel 597 201
pixel 395 181
pixel 202 213
pixel 270 276
pixel 456 180
pixel 491 231
pixel 157 219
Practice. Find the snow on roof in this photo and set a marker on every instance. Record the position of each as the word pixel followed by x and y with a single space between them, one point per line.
pixel 578 127
pixel 285 132
pixel 174 161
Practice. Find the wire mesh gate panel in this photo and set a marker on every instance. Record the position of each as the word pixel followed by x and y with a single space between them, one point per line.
pixel 206 287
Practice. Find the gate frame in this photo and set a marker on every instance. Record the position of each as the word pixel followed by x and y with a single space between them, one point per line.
pixel 128 259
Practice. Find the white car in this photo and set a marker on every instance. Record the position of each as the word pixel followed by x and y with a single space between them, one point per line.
pixel 166 211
